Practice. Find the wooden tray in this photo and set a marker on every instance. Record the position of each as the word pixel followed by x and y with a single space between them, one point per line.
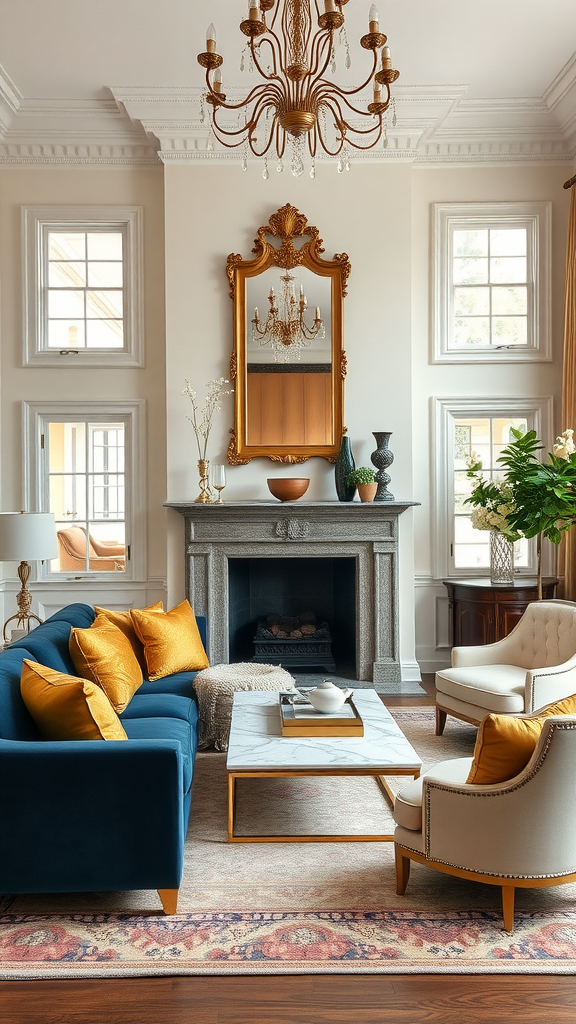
pixel 304 720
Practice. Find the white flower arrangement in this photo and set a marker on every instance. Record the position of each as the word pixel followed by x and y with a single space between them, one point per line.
pixel 202 422
pixel 493 501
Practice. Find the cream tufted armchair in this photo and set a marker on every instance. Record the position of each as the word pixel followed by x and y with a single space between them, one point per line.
pixel 520 833
pixel 531 667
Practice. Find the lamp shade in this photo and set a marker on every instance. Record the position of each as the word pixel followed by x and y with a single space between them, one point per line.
pixel 27 536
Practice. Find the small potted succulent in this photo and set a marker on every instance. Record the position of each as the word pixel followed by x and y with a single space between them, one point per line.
pixel 363 479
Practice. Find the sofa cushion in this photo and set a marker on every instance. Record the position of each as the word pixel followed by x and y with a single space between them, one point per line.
pixel 505 744
pixel 167 729
pixel 123 621
pixel 171 641
pixel 498 688
pixel 162 705
pixel 104 654
pixel 180 683
pixel 67 708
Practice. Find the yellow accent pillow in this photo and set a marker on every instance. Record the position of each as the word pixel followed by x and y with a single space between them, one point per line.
pixel 505 744
pixel 104 654
pixel 66 708
pixel 171 641
pixel 124 622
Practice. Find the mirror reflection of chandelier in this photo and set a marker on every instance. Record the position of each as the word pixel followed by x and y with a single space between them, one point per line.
pixel 288 333
pixel 294 101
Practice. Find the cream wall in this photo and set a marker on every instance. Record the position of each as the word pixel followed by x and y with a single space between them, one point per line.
pixel 480 184
pixel 212 210
pixel 107 186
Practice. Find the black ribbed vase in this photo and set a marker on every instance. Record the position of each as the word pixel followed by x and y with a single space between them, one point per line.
pixel 382 458
pixel 343 467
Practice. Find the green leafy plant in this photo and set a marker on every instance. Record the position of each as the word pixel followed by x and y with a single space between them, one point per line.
pixel 361 475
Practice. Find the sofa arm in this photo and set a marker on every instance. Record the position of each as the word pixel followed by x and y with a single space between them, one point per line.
pixel 547 685
pixel 91 815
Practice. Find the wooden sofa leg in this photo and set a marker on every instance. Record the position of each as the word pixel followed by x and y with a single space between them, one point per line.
pixel 440 720
pixel 508 907
pixel 169 899
pixel 402 871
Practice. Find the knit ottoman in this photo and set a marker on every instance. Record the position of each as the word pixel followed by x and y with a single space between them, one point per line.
pixel 215 688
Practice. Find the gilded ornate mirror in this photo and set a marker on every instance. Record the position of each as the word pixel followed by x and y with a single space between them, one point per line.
pixel 288 364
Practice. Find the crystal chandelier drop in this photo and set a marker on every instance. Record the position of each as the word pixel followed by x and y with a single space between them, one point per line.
pixel 289 333
pixel 295 102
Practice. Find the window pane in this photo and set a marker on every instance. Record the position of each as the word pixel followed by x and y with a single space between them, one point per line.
pixel 111 534
pixel 65 304
pixel 471 301
pixel 66 245
pixel 462 489
pixel 104 245
pixel 470 271
pixel 508 301
pixel 65 333
pixel 72 548
pixel 508 269
pixel 107 496
pixel 66 275
pixel 471 331
pixel 107 275
pixel 105 333
pixel 464 532
pixel 472 556
pixel 508 242
pixel 510 330
pixel 104 304
pixel 470 243
pixel 68 496
pixel 67 448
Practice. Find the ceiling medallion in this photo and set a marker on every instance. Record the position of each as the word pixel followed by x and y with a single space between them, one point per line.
pixel 295 103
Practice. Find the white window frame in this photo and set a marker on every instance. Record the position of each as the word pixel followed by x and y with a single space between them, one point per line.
pixel 537 219
pixel 37 221
pixel 133 413
pixel 539 413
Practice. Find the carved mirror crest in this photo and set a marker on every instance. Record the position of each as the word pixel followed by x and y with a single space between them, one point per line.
pixel 288 363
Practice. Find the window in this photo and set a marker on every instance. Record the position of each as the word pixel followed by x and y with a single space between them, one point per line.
pixel 479 426
pixel 492 282
pixel 84 471
pixel 82 286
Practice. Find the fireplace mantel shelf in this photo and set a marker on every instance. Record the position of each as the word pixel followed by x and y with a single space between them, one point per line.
pixel 365 532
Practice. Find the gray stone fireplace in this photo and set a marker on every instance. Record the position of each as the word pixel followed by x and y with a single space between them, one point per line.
pixel 344 556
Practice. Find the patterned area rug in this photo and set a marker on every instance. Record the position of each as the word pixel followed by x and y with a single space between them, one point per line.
pixel 295 907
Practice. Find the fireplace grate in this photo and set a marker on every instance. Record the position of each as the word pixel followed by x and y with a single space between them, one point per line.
pixel 299 646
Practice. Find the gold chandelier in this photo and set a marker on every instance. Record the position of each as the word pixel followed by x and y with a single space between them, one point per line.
pixel 295 101
pixel 290 334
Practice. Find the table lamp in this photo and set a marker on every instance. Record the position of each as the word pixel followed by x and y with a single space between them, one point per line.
pixel 23 536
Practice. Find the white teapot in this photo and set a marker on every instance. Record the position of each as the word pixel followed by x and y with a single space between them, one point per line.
pixel 327 697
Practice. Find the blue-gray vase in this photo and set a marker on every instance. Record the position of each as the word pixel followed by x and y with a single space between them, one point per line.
pixel 382 458
pixel 343 467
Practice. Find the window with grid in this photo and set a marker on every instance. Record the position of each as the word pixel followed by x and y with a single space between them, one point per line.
pixel 492 282
pixel 83 292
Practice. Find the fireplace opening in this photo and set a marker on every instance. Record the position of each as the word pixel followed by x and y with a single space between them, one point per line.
pixel 292 588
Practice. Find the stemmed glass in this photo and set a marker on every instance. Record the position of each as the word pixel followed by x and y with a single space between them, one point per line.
pixel 218 481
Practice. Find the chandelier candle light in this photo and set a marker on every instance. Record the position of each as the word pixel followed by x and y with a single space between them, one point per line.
pixel 290 334
pixel 295 101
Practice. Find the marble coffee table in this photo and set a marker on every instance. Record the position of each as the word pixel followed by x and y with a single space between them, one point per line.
pixel 257 749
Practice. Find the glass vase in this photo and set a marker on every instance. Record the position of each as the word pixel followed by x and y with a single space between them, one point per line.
pixel 342 469
pixel 501 558
pixel 205 496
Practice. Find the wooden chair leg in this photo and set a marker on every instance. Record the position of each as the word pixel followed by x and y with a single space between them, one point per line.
pixel 402 871
pixel 508 907
pixel 440 720
pixel 169 900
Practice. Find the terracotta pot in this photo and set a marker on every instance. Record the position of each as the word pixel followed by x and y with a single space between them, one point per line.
pixel 367 492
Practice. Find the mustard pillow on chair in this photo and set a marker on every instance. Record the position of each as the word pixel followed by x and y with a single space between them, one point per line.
pixel 124 622
pixel 505 744
pixel 104 654
pixel 66 708
pixel 171 641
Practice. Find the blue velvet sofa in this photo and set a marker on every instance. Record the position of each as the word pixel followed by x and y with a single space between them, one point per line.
pixel 94 816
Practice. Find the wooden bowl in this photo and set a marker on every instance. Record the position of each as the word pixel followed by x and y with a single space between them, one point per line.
pixel 288 488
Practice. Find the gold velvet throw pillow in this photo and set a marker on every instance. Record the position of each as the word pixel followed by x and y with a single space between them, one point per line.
pixel 124 622
pixel 505 744
pixel 171 641
pixel 104 654
pixel 66 708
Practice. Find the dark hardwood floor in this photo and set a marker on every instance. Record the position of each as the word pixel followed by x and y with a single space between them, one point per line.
pixel 305 999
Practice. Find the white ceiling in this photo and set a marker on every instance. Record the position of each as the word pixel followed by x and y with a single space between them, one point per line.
pixel 478 80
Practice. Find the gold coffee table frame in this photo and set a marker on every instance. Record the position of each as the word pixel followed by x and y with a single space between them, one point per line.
pixel 269 773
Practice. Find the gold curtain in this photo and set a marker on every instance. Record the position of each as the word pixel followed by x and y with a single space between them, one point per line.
pixel 567 564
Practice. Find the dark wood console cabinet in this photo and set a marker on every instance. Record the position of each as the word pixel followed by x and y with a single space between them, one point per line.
pixel 482 612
